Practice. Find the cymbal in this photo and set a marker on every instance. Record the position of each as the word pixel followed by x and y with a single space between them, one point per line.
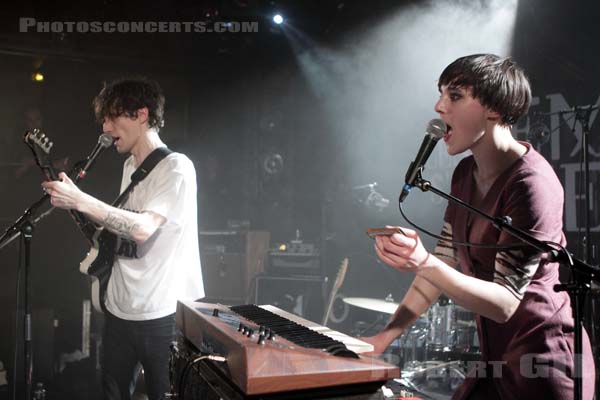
pixel 383 306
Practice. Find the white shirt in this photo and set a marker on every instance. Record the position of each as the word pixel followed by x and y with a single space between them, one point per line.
pixel 168 264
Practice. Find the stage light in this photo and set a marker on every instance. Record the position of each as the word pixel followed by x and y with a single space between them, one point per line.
pixel 37 77
pixel 278 19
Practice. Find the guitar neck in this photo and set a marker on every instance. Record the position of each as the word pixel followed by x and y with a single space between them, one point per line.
pixel 339 279
pixel 85 225
pixel 40 146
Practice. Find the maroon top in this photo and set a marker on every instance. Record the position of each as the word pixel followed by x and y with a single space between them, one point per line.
pixel 531 355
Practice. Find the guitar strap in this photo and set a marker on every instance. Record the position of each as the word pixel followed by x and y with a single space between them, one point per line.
pixel 109 239
pixel 142 172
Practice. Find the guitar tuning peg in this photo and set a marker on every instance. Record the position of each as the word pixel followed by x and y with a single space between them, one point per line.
pixel 50 145
pixel 35 131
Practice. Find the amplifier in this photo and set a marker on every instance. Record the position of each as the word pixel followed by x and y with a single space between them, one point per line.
pixel 296 258
pixel 293 264
pixel 230 261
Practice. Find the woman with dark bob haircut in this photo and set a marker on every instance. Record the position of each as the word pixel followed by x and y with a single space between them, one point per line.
pixel 525 328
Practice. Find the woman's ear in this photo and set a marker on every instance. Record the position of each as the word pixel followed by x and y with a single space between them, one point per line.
pixel 492 115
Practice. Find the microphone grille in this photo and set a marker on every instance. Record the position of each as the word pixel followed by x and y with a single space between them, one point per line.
pixel 436 128
pixel 105 140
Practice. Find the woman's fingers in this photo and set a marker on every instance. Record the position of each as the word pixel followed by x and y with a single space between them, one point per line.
pixel 385 245
pixel 396 244
pixel 404 241
pixel 391 259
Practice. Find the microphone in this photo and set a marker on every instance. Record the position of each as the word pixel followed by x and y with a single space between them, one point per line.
pixel 104 141
pixel 436 129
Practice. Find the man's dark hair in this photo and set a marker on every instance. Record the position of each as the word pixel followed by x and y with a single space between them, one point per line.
pixel 127 96
pixel 498 83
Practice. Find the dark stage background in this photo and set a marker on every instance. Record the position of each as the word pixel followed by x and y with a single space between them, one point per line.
pixel 285 125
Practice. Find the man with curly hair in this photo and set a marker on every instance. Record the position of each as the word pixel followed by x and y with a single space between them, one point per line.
pixel 159 219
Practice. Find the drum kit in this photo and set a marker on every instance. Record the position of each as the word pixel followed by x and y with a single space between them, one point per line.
pixel 436 348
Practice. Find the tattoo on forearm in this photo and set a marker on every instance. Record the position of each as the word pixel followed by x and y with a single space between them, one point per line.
pixel 120 225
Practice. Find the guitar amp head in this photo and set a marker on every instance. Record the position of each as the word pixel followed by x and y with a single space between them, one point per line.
pixel 295 258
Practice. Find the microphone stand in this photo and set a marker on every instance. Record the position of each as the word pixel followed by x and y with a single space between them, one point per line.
pixel 23 226
pixel 583 115
pixel 583 273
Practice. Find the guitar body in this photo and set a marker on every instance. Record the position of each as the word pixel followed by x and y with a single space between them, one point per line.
pixel 98 265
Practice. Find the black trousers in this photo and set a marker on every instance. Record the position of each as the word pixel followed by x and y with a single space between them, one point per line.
pixel 126 345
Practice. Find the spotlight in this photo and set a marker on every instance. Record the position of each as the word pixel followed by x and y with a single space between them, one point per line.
pixel 37 77
pixel 278 19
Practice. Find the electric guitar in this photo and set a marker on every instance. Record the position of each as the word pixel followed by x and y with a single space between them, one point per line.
pixel 99 260
pixel 339 279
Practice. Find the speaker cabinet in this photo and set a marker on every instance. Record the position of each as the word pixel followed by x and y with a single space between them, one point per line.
pixel 230 262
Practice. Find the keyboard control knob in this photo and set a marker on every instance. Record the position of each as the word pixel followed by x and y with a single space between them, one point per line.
pixel 261 339
pixel 216 312
pixel 240 327
pixel 249 332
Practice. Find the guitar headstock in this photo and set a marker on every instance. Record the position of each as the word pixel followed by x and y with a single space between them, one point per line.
pixel 40 145
pixel 339 279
